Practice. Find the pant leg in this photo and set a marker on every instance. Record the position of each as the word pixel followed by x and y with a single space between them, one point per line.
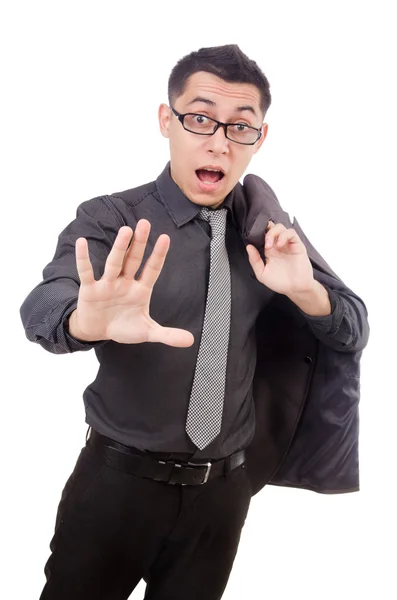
pixel 109 528
pixel 196 560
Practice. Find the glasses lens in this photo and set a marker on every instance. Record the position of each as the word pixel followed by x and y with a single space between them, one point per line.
pixel 238 133
pixel 242 133
pixel 199 124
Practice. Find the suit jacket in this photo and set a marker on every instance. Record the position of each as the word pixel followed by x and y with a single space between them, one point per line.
pixel 306 386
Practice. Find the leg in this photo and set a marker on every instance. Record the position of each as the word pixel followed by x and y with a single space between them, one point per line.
pixel 196 560
pixel 109 528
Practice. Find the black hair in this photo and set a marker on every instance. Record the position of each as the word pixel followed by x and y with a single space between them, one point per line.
pixel 227 62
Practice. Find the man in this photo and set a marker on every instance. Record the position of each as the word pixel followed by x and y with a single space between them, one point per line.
pixel 161 489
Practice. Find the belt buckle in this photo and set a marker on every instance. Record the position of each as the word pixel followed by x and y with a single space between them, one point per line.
pixel 207 472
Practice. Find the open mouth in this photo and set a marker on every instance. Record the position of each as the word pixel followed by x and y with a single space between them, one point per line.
pixel 210 176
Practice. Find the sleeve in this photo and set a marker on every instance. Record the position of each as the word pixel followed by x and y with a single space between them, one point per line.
pixel 46 309
pixel 346 328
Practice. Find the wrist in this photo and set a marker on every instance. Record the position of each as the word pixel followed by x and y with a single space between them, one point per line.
pixel 314 302
pixel 74 330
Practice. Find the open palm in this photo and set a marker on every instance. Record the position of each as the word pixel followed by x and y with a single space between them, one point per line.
pixel 116 307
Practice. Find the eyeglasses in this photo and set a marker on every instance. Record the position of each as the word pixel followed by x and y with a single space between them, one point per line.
pixel 203 125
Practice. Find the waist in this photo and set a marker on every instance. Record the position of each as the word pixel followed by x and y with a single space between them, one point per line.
pixel 144 464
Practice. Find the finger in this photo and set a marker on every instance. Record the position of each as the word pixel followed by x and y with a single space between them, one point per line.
pixel 134 256
pixel 270 224
pixel 281 240
pixel 256 261
pixel 273 233
pixel 155 262
pixel 83 263
pixel 114 261
pixel 289 236
pixel 179 338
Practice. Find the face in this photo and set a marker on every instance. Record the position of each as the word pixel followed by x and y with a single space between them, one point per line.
pixel 190 152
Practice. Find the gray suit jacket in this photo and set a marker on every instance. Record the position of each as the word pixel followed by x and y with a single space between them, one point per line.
pixel 307 381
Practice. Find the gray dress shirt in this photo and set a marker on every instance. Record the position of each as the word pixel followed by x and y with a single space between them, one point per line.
pixel 140 395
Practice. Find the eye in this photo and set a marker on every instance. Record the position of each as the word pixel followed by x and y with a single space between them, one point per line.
pixel 200 119
pixel 241 126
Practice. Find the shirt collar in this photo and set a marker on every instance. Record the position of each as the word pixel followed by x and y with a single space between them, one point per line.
pixel 180 208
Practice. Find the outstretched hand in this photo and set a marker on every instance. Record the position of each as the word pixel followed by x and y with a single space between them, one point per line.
pixel 116 307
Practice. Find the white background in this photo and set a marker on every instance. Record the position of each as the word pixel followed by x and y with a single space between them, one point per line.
pixel 82 82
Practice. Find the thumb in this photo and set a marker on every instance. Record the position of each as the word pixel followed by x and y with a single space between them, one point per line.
pixel 171 336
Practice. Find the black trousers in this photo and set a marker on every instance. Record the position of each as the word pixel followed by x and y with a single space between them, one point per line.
pixel 113 529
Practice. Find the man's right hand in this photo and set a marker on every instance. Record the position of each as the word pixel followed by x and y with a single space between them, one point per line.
pixel 116 307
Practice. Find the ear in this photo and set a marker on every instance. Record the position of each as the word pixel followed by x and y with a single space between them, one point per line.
pixel 265 128
pixel 164 119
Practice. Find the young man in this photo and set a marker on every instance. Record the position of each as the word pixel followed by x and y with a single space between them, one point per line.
pixel 161 489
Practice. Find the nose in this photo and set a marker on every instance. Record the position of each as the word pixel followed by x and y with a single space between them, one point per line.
pixel 218 142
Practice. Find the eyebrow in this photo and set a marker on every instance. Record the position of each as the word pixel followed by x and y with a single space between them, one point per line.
pixel 212 103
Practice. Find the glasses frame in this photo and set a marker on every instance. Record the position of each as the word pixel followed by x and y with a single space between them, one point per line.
pixel 218 124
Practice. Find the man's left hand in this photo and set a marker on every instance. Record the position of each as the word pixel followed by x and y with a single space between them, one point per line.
pixel 288 269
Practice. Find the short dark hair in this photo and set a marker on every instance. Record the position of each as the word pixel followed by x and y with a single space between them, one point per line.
pixel 227 62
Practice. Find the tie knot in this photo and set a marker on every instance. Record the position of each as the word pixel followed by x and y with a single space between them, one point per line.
pixel 216 218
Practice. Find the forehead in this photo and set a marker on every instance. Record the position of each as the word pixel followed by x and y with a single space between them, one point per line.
pixel 220 91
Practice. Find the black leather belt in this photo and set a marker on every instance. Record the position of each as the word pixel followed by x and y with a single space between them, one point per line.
pixel 130 460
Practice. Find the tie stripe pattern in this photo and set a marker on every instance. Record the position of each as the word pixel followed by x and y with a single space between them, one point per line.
pixel 204 416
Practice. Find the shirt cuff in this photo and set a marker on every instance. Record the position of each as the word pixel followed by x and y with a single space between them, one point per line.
pixel 327 323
